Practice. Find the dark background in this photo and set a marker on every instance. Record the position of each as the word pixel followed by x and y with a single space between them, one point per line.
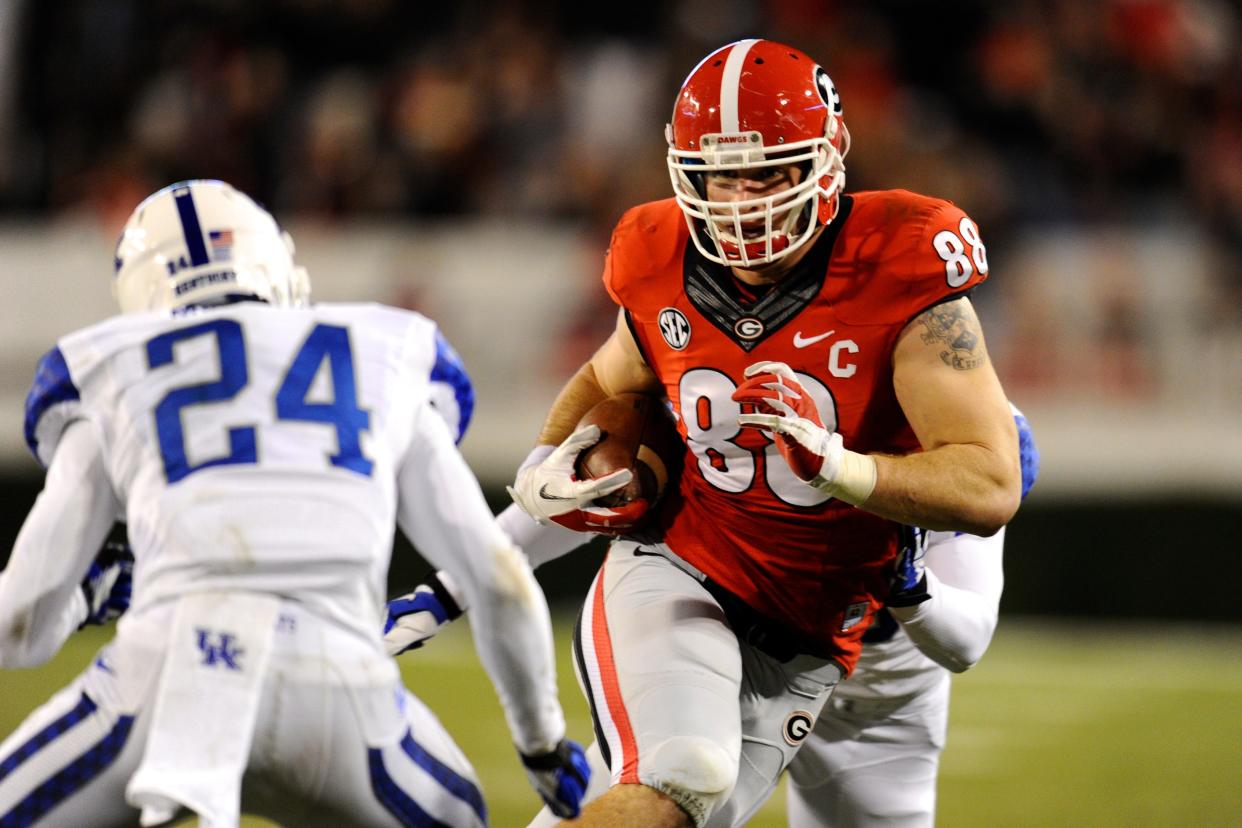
pixel 1174 559
pixel 1044 119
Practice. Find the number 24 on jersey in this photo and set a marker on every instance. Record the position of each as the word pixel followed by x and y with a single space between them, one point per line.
pixel 325 342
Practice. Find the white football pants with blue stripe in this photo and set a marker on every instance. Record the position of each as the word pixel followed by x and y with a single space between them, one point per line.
pixel 332 746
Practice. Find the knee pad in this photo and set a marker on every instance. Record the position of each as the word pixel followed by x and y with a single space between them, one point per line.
pixel 696 773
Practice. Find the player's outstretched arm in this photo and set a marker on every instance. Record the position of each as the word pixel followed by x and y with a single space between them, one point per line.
pixel 415 618
pixel 40 603
pixel 442 510
pixel 951 612
pixel 952 618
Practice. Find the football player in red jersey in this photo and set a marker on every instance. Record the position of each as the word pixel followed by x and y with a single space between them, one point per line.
pixel 831 383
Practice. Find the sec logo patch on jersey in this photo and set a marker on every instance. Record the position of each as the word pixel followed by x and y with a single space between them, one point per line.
pixel 675 328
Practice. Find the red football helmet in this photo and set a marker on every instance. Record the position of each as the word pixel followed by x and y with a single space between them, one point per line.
pixel 753 104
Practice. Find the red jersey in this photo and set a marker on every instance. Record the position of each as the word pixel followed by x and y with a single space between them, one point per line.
pixel 794 555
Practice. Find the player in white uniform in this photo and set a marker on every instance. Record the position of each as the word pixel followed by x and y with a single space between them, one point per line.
pixel 260 453
pixel 873 754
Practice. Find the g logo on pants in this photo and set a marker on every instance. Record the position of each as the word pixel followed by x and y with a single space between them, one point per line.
pixel 797 727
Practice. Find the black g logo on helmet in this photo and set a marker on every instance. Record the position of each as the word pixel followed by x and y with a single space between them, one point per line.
pixel 827 90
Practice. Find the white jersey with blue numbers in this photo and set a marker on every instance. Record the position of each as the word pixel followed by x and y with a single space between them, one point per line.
pixel 252 447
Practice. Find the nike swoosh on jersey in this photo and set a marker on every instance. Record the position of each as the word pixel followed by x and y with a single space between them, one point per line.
pixel 800 342
pixel 543 492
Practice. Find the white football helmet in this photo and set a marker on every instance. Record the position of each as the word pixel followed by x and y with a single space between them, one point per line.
pixel 204 243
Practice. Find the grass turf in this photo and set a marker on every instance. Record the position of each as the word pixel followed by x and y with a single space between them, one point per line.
pixel 1061 724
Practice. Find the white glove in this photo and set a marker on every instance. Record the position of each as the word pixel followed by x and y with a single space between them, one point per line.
pixel 816 455
pixel 550 490
pixel 412 619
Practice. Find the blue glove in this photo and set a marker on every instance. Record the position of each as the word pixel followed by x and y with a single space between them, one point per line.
pixel 1028 452
pixel 108 584
pixel 414 618
pixel 909 584
pixel 560 777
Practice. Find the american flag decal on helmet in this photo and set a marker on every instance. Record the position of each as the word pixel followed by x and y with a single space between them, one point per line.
pixel 221 245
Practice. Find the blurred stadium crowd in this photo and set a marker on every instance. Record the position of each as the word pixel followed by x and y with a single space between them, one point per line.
pixel 1027 111
pixel 1036 113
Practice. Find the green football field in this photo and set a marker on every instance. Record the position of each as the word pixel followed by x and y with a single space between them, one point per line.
pixel 1059 725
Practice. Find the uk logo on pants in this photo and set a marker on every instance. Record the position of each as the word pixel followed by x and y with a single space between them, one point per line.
pixel 219 649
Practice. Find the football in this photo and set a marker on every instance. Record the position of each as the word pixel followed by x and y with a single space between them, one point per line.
pixel 637 432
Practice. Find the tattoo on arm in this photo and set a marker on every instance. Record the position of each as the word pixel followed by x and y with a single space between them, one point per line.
pixel 954 326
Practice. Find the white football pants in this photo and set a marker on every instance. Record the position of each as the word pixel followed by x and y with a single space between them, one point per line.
pixel 867 764
pixel 872 762
pixel 677 701
pixel 338 742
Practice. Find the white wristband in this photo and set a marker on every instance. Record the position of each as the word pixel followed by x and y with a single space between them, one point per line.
pixel 854 480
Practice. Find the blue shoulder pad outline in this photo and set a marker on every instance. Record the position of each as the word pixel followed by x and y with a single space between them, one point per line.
pixel 449 370
pixel 1028 452
pixel 52 385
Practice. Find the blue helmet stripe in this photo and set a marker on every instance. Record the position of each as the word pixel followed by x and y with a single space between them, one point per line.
pixel 190 227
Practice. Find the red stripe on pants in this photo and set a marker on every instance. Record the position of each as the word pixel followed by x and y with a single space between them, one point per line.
pixel 612 689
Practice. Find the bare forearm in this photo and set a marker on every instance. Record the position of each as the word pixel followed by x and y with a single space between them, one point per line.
pixel 965 488
pixel 616 367
pixel 577 397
